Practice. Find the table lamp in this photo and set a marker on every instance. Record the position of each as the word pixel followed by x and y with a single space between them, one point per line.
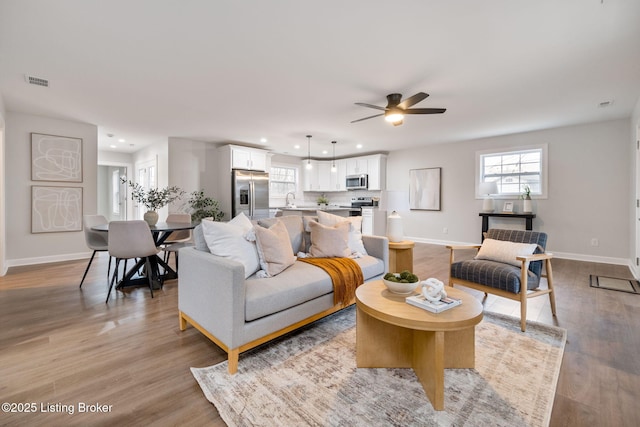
pixel 487 189
pixel 394 201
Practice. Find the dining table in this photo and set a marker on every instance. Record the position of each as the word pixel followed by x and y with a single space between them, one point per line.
pixel 136 275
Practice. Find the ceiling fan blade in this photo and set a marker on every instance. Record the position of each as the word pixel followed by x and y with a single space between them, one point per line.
pixel 413 100
pixel 425 111
pixel 362 104
pixel 367 118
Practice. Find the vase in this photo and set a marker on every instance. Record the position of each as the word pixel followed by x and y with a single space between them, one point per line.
pixel 151 217
pixel 526 206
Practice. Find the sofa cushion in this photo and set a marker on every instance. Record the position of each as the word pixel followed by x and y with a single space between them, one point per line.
pixel 494 274
pixel 329 241
pixel 294 226
pixel 355 230
pixel 297 284
pixel 228 240
pixel 274 248
pixel 504 251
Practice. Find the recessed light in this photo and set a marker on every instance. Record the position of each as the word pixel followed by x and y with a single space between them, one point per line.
pixel 263 140
pixel 297 147
pixel 359 146
pixel 605 104
pixel 324 151
pixel 122 140
pixel 113 146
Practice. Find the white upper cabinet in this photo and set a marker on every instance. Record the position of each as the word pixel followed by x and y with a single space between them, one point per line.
pixel 321 178
pixel 248 158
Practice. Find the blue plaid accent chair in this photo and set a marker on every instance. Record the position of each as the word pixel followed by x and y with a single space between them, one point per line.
pixel 507 280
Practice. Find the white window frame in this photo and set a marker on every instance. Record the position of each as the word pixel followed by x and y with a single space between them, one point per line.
pixel 544 169
pixel 297 180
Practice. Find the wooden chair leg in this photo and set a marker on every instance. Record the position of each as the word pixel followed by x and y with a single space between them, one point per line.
pixel 552 294
pixel 233 357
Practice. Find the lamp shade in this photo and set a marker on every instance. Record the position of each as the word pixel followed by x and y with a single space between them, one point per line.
pixel 488 188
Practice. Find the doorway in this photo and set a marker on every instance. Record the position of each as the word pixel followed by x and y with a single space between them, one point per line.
pixel 112 193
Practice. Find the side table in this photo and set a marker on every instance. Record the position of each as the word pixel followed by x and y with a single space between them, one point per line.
pixel 401 256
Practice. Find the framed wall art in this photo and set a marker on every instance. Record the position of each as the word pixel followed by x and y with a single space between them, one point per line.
pixel 56 209
pixel 424 189
pixel 56 158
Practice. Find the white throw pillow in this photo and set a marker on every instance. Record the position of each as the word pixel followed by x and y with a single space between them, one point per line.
pixel 274 248
pixel 228 240
pixel 504 251
pixel 327 242
pixel 355 230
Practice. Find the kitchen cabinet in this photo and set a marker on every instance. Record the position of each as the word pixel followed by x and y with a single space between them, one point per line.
pixel 310 177
pixel 357 166
pixel 321 178
pixel 248 158
pixel 377 171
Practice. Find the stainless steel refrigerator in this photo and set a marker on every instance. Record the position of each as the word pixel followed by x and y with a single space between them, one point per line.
pixel 250 193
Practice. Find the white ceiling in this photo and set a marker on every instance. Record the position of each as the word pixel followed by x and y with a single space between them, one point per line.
pixel 239 71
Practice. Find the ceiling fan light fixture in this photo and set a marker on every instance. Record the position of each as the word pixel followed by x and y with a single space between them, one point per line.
pixel 393 116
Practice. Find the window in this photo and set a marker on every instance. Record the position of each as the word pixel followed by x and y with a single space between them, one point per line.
pixel 513 170
pixel 282 180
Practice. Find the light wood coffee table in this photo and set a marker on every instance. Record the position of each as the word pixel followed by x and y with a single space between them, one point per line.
pixel 393 334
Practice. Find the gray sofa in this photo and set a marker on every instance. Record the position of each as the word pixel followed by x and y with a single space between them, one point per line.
pixel 238 314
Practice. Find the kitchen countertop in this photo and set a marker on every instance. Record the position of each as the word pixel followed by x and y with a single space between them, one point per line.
pixel 317 208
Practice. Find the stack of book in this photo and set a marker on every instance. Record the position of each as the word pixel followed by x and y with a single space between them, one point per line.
pixel 434 307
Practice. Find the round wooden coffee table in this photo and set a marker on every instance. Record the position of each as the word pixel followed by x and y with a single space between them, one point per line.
pixel 393 334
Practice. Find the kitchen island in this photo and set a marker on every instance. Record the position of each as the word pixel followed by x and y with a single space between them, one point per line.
pixel 311 211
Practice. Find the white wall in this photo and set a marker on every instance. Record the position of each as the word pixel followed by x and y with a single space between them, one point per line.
pixel 3 204
pixel 634 213
pixel 589 190
pixel 22 247
pixel 194 166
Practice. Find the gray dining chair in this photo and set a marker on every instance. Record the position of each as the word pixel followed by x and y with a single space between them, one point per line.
pixel 178 239
pixel 96 240
pixel 132 239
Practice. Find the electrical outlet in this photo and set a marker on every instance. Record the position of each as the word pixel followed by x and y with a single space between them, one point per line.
pixel 595 242
pixel 445 230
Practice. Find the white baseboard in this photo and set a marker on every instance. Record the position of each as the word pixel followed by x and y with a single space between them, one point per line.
pixel 562 255
pixel 47 259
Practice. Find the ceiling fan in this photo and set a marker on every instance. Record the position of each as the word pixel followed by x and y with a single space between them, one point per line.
pixel 396 108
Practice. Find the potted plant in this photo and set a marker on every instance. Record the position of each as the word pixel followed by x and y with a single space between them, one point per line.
pixel 203 207
pixel 153 198
pixel 526 196
pixel 322 200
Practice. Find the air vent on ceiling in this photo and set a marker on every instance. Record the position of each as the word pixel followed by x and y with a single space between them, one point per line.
pixel 32 80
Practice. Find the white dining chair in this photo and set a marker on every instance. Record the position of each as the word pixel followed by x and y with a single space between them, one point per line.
pixel 96 240
pixel 132 239
pixel 178 239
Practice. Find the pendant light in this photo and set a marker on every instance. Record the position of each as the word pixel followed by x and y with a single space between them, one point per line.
pixel 333 164
pixel 309 166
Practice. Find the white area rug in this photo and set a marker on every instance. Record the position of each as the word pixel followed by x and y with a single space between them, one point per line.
pixel 309 378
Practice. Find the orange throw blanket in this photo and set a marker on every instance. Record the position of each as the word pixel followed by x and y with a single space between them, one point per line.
pixel 345 273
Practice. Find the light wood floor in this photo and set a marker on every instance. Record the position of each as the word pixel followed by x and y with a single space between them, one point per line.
pixel 61 345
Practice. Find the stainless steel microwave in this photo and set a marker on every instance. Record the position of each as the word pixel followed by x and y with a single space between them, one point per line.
pixel 357 182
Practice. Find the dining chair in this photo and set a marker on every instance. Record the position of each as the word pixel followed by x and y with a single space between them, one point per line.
pixel 132 239
pixel 96 240
pixel 177 239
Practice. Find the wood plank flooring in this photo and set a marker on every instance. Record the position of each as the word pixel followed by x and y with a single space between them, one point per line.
pixel 61 346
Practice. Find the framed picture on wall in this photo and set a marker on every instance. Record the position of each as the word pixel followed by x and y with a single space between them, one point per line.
pixel 56 209
pixel 424 189
pixel 56 158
